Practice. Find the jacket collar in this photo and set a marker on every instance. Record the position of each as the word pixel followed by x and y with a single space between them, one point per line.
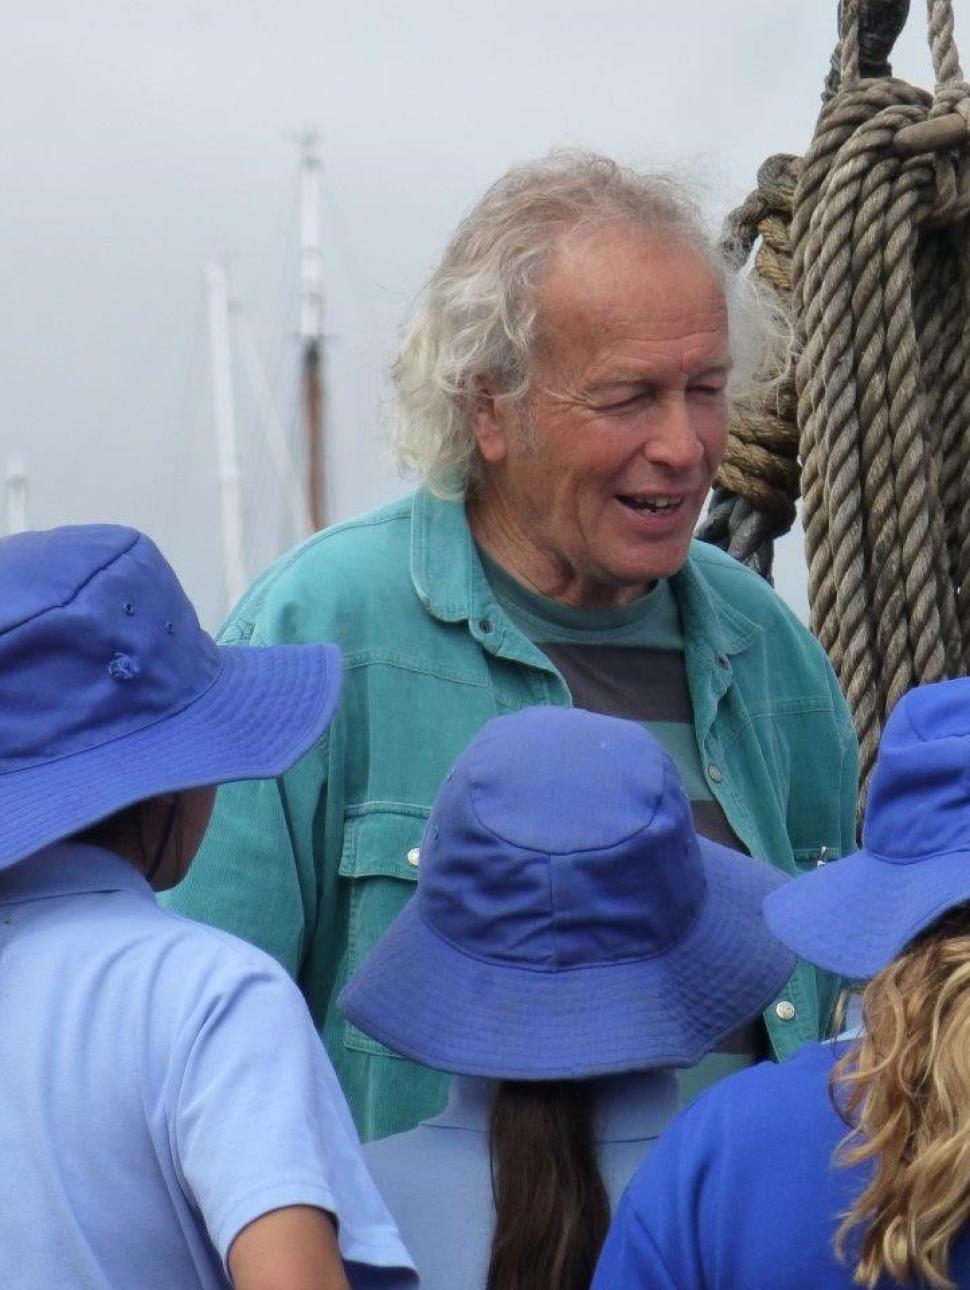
pixel 443 558
pixel 709 618
pixel 451 584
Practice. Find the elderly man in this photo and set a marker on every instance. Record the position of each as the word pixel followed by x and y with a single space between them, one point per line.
pixel 563 388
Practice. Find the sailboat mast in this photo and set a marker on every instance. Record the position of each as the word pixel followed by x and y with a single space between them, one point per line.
pixel 16 495
pixel 225 424
pixel 311 329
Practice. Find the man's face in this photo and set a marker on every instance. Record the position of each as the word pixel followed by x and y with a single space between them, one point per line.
pixel 594 489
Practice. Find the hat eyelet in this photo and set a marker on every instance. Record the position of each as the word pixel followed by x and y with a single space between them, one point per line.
pixel 129 608
pixel 170 628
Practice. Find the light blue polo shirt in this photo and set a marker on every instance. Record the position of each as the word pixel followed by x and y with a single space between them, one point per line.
pixel 437 1178
pixel 161 1086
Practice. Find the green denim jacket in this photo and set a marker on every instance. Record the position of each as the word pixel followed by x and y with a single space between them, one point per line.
pixel 312 867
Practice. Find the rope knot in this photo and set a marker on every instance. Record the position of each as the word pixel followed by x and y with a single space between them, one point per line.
pixel 951 161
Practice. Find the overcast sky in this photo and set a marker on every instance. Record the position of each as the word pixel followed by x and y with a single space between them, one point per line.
pixel 140 139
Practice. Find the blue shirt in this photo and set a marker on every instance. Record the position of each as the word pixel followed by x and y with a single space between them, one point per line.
pixel 161 1086
pixel 437 1178
pixel 741 1192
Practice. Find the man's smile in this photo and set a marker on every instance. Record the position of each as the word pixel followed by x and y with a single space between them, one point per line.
pixel 655 504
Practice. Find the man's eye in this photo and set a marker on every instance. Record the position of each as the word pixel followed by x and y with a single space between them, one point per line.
pixel 622 405
pixel 710 391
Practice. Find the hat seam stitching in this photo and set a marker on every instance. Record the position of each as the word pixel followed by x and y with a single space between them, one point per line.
pixel 575 851
pixel 128 734
pixel 62 604
pixel 574 967
pixel 882 857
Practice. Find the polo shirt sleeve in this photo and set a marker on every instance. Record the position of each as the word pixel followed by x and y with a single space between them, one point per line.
pixel 655 1237
pixel 258 1122
pixel 630 1257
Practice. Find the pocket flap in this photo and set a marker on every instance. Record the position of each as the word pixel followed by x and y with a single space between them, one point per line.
pixel 383 839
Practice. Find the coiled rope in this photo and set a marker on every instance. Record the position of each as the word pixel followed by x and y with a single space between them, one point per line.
pixel 880 291
pixel 757 485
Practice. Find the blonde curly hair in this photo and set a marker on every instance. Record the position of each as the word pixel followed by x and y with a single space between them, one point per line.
pixel 904 1088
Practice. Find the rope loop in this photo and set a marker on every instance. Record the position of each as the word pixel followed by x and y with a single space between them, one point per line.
pixel 952 166
pixel 756 488
pixel 867 239
pixel 881 280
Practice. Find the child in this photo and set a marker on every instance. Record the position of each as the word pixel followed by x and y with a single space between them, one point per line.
pixel 572 939
pixel 168 1117
pixel 847 1166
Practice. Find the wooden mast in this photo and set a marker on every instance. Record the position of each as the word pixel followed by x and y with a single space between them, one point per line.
pixel 311 330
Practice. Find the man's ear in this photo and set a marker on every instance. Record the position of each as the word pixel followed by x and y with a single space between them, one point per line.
pixel 490 417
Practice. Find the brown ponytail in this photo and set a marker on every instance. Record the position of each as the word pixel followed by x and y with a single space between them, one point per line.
pixel 551 1207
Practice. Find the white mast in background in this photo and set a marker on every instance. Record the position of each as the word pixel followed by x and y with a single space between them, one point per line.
pixel 225 424
pixel 273 432
pixel 16 495
pixel 311 327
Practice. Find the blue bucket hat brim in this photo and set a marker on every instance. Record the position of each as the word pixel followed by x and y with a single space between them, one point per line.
pixel 426 999
pixel 855 915
pixel 266 706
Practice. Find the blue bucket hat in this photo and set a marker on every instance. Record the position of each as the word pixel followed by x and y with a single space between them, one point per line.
pixel 568 921
pixel 111 692
pixel 853 916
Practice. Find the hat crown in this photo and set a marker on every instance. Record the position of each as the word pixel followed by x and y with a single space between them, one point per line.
pixel 919 800
pixel 97 640
pixel 561 839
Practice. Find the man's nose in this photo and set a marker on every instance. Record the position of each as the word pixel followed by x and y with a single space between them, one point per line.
pixel 673 440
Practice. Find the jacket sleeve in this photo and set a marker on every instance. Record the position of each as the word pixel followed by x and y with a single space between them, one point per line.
pixel 849 777
pixel 254 874
pixel 831 987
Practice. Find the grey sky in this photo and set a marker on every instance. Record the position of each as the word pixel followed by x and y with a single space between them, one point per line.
pixel 142 138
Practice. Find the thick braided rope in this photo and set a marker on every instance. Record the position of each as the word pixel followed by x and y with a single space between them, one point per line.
pixel 880 291
pixel 756 487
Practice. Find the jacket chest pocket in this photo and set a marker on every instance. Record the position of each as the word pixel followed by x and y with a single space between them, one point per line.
pixel 380 860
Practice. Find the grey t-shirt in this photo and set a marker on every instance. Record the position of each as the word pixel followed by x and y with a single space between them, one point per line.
pixel 626 662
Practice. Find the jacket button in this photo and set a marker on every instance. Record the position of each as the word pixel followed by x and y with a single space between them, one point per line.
pixel 484 625
pixel 414 857
pixel 715 773
pixel 784 1010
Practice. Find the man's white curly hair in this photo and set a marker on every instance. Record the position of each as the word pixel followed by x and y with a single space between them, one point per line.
pixel 476 317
